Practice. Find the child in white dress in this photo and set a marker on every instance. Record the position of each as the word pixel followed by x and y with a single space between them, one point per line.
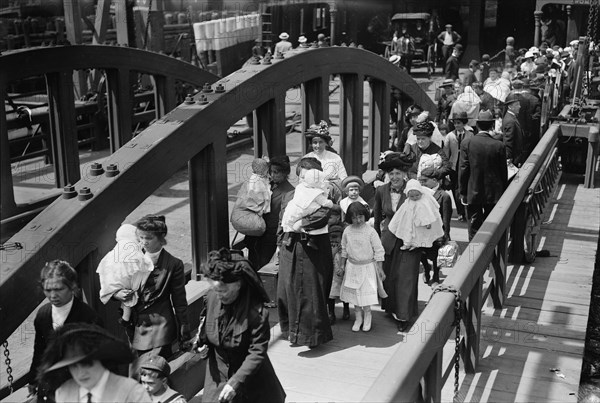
pixel 361 266
pixel 417 222
pixel 125 267
pixel 310 195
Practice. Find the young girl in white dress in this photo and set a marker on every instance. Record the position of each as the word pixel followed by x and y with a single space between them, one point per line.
pixel 417 222
pixel 125 267
pixel 361 266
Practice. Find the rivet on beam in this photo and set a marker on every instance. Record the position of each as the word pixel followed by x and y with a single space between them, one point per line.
pixel 202 100
pixel 85 194
pixel 219 88
pixel 112 170
pixel 189 100
pixel 69 192
pixel 96 169
pixel 207 88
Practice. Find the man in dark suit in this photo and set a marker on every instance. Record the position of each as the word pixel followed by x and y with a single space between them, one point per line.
pixel 512 133
pixel 529 116
pixel 469 77
pixel 482 172
pixel 452 63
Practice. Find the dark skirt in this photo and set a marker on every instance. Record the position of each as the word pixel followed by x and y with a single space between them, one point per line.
pixel 303 286
pixel 402 282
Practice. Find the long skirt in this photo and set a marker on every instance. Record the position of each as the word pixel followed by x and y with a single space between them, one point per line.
pixel 401 269
pixel 304 282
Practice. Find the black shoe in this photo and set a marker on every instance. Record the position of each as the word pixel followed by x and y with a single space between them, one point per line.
pixel 426 277
pixel 346 313
pixel 403 326
pixel 332 318
pixel 462 218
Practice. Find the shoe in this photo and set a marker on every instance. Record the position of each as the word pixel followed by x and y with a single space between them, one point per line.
pixel 426 278
pixel 332 318
pixel 462 218
pixel 358 312
pixel 403 326
pixel 368 317
pixel 346 313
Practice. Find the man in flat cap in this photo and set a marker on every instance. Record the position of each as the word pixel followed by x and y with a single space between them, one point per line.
pixel 449 39
pixel 452 63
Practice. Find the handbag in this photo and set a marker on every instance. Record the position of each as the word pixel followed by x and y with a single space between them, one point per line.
pixel 448 255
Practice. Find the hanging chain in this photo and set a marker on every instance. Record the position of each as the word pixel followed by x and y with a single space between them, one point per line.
pixel 456 323
pixel 592 25
pixel 8 367
pixel 596 15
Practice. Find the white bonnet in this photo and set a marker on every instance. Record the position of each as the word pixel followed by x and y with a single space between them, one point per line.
pixel 126 232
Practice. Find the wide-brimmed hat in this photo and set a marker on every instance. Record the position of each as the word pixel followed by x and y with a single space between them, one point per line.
pixel 485 116
pixel 448 25
pixel 529 54
pixel 458 47
pixel 425 128
pixel 283 35
pixel 413 110
pixel 511 98
pixel 156 363
pixel 319 130
pixel 302 39
pixel 462 116
pixel 78 342
pixel 394 59
pixel 448 82
pixel 402 161
pixel 353 179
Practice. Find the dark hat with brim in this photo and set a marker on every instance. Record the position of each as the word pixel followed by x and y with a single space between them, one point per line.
pixel 353 179
pixel 106 347
pixel 485 116
pixel 448 82
pixel 395 160
pixel 458 47
pixel 460 116
pixel 511 98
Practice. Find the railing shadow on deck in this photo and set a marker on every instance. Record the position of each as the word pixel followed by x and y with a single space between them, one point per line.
pixel 420 357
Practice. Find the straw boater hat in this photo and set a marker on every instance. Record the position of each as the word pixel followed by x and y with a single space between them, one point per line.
pixel 321 130
pixel 352 179
pixel 284 35
pixel 302 39
pixel 461 116
pixel 448 82
pixel 394 59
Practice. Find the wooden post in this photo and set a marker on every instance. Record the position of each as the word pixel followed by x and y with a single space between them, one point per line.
pixel 164 95
pixel 208 187
pixel 124 18
pixel 537 36
pixel 118 99
pixel 517 233
pixel 472 322
pixel 156 19
pixel 333 26
pixel 63 130
pixel 351 121
pixel 74 29
pixel 315 105
pixel 7 197
pixel 269 127
pixel 432 380
pixel 572 31
pixel 379 116
pixel 475 18
pixel 498 265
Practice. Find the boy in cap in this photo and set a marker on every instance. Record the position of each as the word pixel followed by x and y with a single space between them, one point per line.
pixel 449 39
pixel 154 373
pixel 452 63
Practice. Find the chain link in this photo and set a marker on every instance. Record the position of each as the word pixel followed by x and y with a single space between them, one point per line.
pixel 592 25
pixel 8 367
pixel 456 324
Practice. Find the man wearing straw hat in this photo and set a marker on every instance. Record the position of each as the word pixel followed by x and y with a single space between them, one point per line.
pixel 283 45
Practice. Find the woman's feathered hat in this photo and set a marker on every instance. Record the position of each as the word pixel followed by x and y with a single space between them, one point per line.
pixel 319 130
pixel 399 160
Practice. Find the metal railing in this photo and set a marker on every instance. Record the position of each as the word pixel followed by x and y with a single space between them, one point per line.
pixel 420 356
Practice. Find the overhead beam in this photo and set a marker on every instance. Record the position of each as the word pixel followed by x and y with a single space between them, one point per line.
pixel 101 23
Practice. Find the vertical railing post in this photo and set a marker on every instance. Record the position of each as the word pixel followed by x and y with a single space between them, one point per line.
pixel 379 116
pixel 315 104
pixel 164 95
pixel 269 127
pixel 472 322
pixel 351 121
pixel 7 197
pixel 118 99
pixel 432 380
pixel 208 194
pixel 498 284
pixel 517 233
pixel 63 130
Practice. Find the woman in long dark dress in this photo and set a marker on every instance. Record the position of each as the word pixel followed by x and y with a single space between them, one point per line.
pixel 261 248
pixel 305 275
pixel 401 267
pixel 235 334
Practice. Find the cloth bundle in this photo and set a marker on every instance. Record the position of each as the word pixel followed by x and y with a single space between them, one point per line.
pixel 448 254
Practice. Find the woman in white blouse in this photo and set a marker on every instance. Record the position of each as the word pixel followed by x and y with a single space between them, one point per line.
pixel 332 163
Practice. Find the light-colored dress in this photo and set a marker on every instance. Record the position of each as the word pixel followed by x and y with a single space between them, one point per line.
pixel 332 165
pixel 124 267
pixel 362 248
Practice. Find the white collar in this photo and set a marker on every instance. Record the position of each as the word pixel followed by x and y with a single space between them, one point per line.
pixel 511 112
pixel 97 391
pixel 60 314
pixel 436 187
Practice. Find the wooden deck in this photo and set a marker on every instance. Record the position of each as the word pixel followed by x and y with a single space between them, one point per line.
pixel 531 350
